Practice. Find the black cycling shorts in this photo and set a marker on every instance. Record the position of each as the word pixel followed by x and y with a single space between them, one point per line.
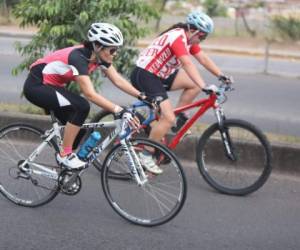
pixel 150 84
pixel 67 106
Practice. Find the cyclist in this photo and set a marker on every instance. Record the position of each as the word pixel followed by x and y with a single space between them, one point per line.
pixel 166 65
pixel 45 84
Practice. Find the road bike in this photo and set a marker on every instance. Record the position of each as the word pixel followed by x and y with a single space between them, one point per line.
pixel 31 177
pixel 233 156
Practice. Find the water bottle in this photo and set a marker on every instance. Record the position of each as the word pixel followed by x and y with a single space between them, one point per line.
pixel 88 145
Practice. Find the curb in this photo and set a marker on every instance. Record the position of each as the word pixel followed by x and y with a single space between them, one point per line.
pixel 286 158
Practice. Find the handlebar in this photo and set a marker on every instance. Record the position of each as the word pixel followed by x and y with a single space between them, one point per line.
pixel 220 93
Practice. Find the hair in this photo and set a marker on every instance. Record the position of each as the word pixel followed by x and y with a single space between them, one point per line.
pixel 184 26
pixel 89 45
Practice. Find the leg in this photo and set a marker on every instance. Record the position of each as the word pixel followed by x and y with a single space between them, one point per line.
pixel 190 89
pixel 166 121
pixel 70 134
pixel 68 107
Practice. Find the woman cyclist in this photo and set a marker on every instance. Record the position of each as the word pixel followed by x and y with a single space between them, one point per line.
pixel 45 84
pixel 166 65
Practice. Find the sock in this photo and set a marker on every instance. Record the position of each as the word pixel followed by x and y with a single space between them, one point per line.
pixel 66 151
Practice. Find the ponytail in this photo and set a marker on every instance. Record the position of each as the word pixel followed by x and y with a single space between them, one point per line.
pixel 184 26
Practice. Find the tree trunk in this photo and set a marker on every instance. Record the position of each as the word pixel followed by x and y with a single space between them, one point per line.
pixel 4 9
pixel 161 12
pixel 249 30
pixel 236 22
pixel 267 56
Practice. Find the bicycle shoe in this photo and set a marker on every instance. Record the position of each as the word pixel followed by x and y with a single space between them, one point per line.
pixel 149 164
pixel 70 161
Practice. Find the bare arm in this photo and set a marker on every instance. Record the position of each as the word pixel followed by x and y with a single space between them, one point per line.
pixel 207 63
pixel 89 92
pixel 121 82
pixel 191 70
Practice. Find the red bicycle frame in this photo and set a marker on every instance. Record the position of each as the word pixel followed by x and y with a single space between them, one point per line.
pixel 204 105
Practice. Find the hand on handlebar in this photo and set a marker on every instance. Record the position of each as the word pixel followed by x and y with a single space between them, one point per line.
pixel 211 88
pixel 226 79
pixel 133 120
pixel 150 101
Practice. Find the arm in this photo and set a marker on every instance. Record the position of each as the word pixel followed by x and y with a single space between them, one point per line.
pixel 89 92
pixel 121 82
pixel 207 63
pixel 191 70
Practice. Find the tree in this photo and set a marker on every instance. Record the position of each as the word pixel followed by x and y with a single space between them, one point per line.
pixel 241 9
pixel 65 23
pixel 162 4
pixel 214 8
pixel 281 28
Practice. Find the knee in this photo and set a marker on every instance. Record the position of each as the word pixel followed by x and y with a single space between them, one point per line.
pixel 196 90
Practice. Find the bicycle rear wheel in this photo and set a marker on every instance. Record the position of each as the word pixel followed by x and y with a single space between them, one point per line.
pixel 154 203
pixel 27 188
pixel 249 169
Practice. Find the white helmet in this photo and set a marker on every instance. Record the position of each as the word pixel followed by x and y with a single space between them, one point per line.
pixel 106 34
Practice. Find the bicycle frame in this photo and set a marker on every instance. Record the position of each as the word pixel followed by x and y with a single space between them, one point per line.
pixel 203 105
pixel 134 164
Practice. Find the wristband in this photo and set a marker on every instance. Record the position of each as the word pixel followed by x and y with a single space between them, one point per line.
pixel 117 109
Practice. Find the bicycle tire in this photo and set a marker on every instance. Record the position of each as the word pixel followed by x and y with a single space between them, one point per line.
pixel 240 176
pixel 17 142
pixel 153 204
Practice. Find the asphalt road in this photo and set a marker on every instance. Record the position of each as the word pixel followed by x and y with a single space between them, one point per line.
pixel 267 219
pixel 270 102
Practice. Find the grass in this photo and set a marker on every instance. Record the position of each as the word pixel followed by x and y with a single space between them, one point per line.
pixel 26 109
pixel 199 128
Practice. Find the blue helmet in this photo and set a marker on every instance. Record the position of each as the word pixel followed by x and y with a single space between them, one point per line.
pixel 201 21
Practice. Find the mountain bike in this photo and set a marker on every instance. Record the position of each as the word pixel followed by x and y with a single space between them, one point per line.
pixel 31 177
pixel 233 156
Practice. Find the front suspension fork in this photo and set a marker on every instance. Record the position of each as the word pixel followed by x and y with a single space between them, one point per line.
pixel 224 132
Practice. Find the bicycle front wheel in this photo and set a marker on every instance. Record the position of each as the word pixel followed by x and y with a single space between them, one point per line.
pixel 155 202
pixel 27 186
pixel 247 170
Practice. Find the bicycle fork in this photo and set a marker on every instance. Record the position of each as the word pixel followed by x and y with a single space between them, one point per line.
pixel 226 139
pixel 135 166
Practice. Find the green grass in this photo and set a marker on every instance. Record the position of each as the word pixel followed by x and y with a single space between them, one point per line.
pixel 26 109
pixel 199 128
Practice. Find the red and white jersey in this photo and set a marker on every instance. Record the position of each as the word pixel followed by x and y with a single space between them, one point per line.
pixel 63 65
pixel 161 56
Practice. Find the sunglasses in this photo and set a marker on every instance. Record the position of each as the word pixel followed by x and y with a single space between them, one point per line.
pixel 202 36
pixel 113 50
